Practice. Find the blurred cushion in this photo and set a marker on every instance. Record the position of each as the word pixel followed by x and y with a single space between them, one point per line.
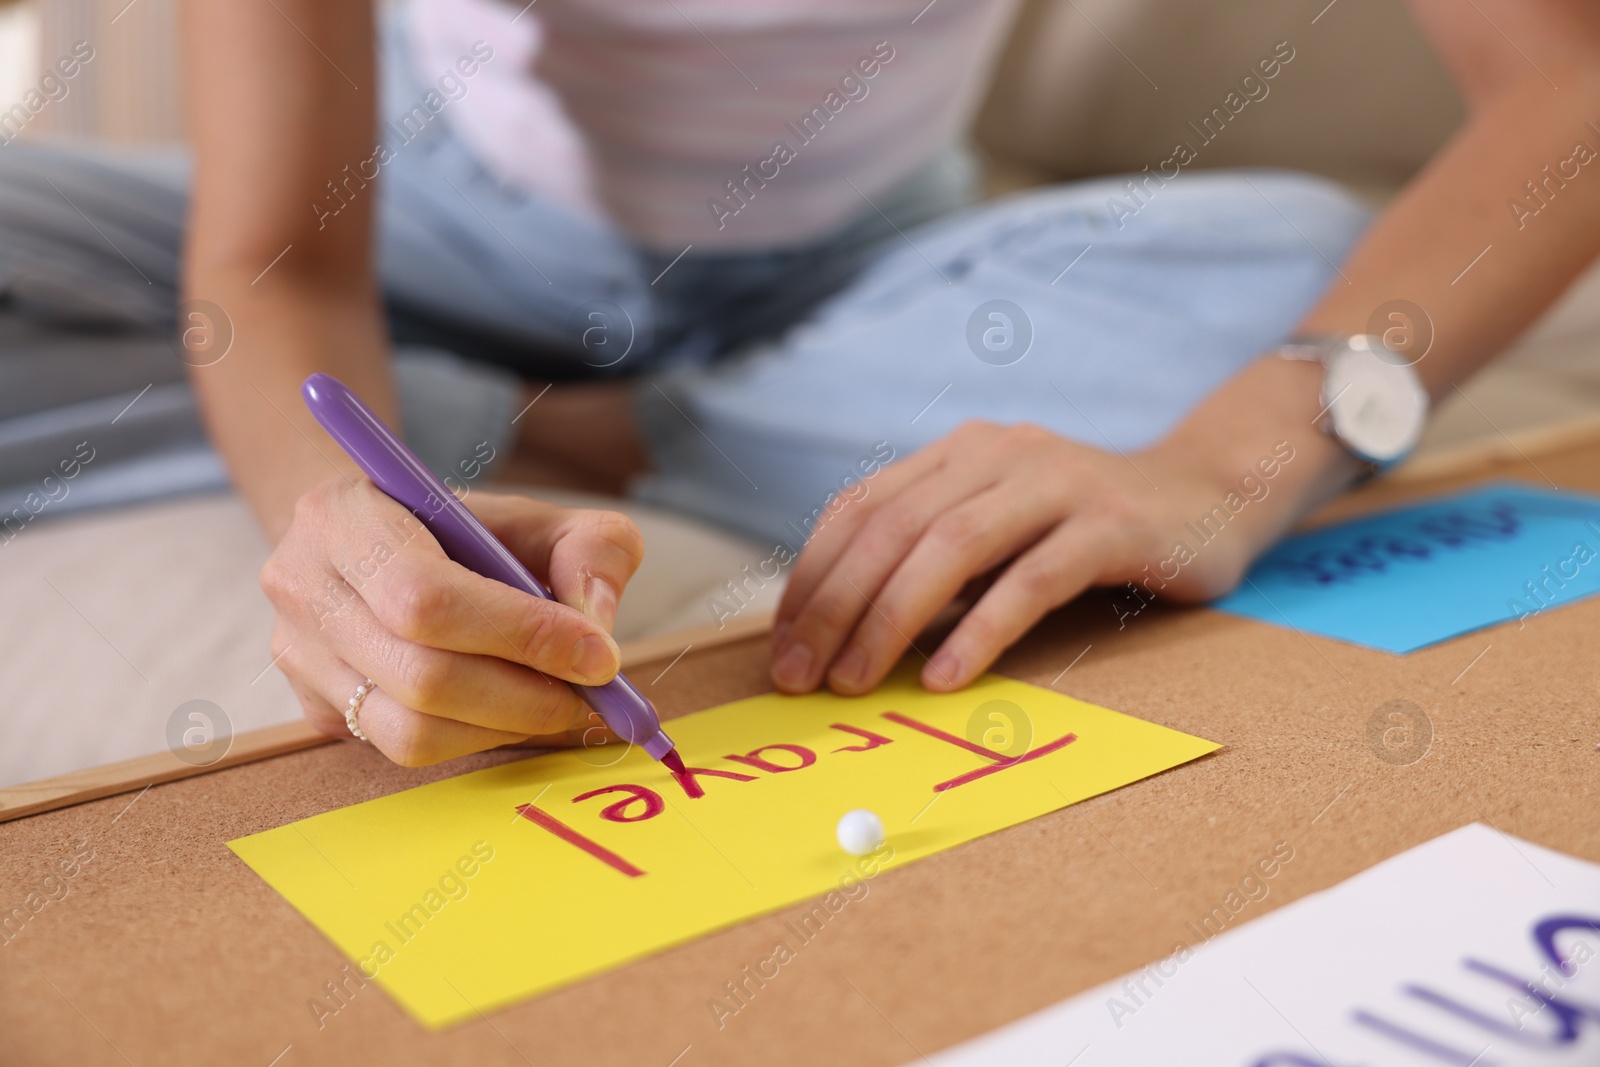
pixel 1090 87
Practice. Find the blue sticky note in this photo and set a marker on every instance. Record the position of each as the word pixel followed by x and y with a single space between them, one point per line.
pixel 1405 579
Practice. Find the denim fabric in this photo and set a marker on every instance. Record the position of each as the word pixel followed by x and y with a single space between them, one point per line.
pixel 764 378
pixel 1113 326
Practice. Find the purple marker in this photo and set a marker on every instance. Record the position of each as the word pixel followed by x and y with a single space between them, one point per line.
pixel 392 467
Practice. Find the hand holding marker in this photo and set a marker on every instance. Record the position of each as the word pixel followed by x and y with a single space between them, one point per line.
pixel 379 452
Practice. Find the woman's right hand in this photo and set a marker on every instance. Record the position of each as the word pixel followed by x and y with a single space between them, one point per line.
pixel 462 662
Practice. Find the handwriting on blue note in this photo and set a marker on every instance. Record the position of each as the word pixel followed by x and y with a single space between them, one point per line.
pixel 1405 579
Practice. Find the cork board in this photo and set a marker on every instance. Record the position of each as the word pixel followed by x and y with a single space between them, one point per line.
pixel 164 948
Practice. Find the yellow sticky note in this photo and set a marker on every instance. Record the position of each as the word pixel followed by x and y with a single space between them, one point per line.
pixel 471 893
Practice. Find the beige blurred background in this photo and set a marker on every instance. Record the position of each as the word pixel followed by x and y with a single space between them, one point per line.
pixel 130 93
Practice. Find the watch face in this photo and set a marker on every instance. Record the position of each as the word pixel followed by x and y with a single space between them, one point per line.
pixel 1378 408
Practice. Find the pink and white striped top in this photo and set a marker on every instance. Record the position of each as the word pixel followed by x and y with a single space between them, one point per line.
pixel 727 124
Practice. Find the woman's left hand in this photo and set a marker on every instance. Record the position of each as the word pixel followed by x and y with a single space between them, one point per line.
pixel 1055 516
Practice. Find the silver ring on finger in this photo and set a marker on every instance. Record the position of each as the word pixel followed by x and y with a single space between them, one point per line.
pixel 354 707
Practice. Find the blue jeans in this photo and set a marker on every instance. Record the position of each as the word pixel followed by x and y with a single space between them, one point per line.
pixel 1054 307
pixel 484 285
pixel 763 379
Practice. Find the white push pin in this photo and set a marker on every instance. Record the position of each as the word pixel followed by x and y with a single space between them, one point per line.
pixel 860 832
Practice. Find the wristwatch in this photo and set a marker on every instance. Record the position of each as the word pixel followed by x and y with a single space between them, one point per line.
pixel 1373 403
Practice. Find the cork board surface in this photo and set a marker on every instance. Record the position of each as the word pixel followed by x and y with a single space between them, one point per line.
pixel 163 948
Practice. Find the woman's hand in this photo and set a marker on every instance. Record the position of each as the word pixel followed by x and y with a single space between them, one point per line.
pixel 462 662
pixel 1056 516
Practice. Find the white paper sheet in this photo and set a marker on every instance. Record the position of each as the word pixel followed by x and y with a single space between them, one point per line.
pixel 1419 961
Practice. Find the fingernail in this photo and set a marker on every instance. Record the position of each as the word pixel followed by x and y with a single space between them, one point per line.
pixel 793 666
pixel 944 669
pixel 600 601
pixel 851 668
pixel 594 660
